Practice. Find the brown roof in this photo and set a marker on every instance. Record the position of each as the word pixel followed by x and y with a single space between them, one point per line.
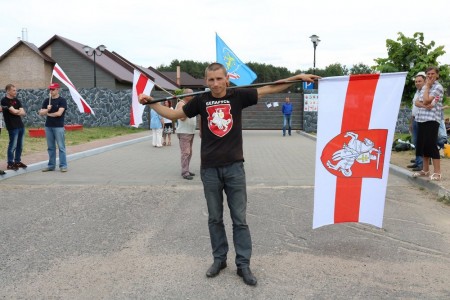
pixel 32 47
pixel 159 79
pixel 115 64
pixel 104 62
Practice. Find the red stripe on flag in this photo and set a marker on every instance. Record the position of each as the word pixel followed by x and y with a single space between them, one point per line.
pixel 140 86
pixel 356 116
pixel 64 78
pixel 86 107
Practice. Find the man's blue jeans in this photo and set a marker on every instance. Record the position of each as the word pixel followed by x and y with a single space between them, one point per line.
pixel 287 121
pixel 15 145
pixel 55 135
pixel 415 128
pixel 230 179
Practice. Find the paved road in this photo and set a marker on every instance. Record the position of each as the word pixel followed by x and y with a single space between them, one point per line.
pixel 123 224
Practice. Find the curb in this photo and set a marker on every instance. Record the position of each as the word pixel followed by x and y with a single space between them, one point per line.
pixel 422 182
pixel 40 165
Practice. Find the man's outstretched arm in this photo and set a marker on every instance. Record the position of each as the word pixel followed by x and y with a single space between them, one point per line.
pixel 271 89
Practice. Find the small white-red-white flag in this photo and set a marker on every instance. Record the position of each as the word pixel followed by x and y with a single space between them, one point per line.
pixel 81 103
pixel 141 85
pixel 355 130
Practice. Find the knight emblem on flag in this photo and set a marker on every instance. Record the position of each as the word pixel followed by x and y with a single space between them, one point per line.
pixel 220 120
pixel 356 153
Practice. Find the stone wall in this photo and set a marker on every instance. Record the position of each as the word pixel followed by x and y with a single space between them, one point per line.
pixel 112 108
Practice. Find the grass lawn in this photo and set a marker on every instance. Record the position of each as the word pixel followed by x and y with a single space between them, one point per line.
pixel 74 137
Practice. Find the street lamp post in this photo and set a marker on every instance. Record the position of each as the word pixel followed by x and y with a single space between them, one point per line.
pixel 94 52
pixel 315 40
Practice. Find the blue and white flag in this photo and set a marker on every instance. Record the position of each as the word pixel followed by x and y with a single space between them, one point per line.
pixel 238 72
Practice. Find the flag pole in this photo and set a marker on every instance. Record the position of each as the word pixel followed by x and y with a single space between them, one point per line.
pixel 49 93
pixel 229 88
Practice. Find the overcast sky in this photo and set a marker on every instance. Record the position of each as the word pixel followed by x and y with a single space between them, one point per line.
pixel 151 33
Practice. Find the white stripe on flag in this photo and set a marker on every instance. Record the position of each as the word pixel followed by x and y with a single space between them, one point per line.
pixel 384 113
pixel 141 85
pixel 80 102
pixel 328 106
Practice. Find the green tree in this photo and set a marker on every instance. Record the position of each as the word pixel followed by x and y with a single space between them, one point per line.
pixel 412 55
pixel 268 73
pixel 194 68
pixel 335 69
pixel 361 68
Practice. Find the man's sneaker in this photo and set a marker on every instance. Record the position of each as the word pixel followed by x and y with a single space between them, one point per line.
pixel 47 169
pixel 12 167
pixel 21 165
pixel 188 177
pixel 63 170
pixel 2 172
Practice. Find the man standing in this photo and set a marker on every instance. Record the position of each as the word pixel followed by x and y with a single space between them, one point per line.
pixel 222 160
pixel 1 126
pixel 13 112
pixel 55 109
pixel 185 132
pixel 287 111
pixel 419 82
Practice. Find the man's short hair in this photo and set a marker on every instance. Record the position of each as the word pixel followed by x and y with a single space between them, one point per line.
pixel 9 86
pixel 214 67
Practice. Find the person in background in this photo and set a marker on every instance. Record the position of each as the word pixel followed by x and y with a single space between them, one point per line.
pixel 1 127
pixel 156 125
pixel 13 112
pixel 429 118
pixel 419 82
pixel 186 132
pixel 54 108
pixel 168 127
pixel 1 120
pixel 442 132
pixel 447 125
pixel 286 109
pixel 222 160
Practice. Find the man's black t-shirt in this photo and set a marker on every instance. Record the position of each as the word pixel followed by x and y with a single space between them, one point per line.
pixel 221 122
pixel 11 121
pixel 56 104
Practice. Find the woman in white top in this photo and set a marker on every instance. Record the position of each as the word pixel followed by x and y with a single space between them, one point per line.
pixel 168 128
pixel 429 116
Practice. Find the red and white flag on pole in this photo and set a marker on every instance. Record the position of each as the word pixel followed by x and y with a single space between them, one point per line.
pixel 355 130
pixel 141 85
pixel 81 103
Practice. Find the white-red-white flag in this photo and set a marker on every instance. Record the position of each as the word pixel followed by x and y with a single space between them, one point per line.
pixel 81 103
pixel 141 85
pixel 356 122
